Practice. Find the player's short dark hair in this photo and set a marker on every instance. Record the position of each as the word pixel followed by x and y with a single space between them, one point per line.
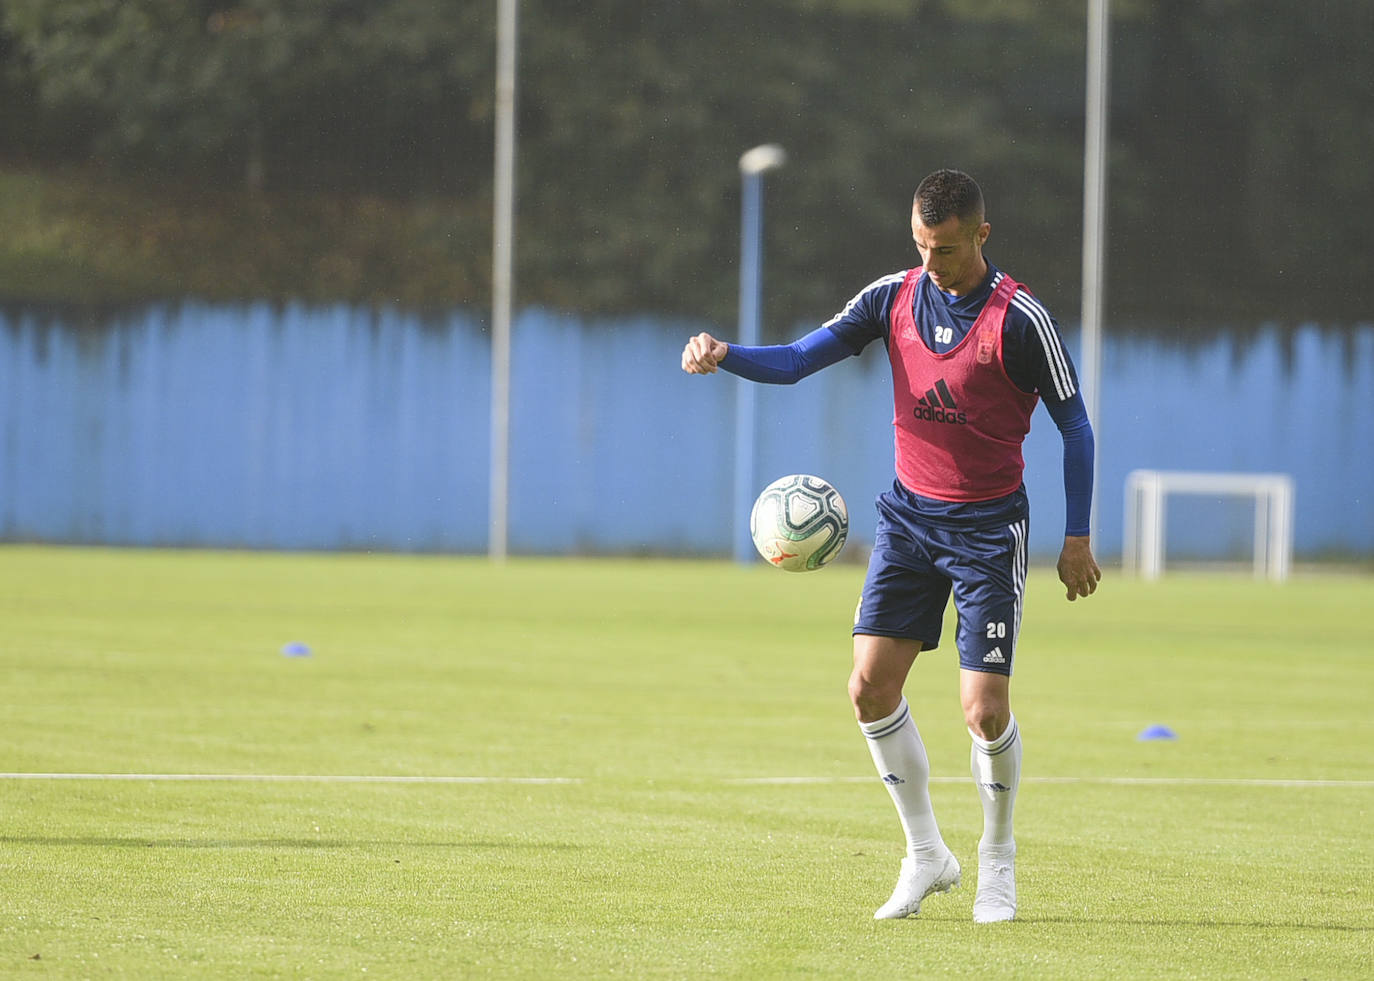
pixel 948 193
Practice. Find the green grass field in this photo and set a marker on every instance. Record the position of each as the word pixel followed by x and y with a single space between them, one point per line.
pixel 627 728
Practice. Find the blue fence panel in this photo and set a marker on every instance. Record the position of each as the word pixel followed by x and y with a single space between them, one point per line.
pixel 303 427
pixel 246 427
pixel 1240 403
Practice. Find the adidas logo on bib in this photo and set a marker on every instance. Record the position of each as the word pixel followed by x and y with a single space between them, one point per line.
pixel 937 405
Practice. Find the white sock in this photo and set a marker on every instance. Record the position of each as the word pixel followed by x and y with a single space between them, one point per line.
pixel 900 757
pixel 996 769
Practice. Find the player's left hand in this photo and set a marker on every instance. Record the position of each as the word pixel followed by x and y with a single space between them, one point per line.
pixel 1078 570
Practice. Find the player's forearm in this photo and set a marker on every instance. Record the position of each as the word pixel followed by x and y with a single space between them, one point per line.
pixel 785 364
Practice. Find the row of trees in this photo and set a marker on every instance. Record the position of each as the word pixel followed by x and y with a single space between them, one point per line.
pixel 1241 134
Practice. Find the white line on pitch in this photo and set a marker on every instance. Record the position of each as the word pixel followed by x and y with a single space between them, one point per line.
pixel 1209 781
pixel 744 781
pixel 282 778
pixel 1156 781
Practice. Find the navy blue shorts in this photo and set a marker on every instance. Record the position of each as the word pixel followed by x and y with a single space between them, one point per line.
pixel 915 566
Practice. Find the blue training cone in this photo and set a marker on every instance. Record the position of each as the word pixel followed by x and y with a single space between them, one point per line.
pixel 295 650
pixel 1156 732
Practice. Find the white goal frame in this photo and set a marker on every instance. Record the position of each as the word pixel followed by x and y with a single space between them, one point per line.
pixel 1146 515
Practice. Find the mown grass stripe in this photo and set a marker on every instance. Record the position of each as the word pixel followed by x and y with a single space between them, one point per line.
pixel 286 778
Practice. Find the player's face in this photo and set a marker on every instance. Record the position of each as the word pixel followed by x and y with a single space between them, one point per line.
pixel 952 252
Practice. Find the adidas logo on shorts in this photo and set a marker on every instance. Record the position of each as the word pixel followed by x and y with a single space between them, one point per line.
pixel 994 656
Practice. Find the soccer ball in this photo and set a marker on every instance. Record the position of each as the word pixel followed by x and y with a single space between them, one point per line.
pixel 799 522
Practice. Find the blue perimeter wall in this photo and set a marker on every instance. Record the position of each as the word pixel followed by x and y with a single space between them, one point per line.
pixel 336 428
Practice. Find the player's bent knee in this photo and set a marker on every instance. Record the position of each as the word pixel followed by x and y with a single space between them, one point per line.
pixel 872 701
pixel 987 720
pixel 881 665
pixel 986 702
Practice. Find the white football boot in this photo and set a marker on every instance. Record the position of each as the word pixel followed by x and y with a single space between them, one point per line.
pixel 996 899
pixel 918 880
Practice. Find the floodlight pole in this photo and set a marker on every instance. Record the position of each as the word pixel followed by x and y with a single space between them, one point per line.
pixel 1094 218
pixel 753 164
pixel 503 250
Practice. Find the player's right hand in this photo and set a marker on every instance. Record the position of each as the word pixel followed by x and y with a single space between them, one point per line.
pixel 703 354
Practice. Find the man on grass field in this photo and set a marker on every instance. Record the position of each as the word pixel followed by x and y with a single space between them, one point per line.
pixel 972 352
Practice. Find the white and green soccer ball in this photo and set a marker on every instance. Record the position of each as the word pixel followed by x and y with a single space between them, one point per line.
pixel 799 522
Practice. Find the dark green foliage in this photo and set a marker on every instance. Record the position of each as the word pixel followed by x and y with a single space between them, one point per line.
pixel 1240 141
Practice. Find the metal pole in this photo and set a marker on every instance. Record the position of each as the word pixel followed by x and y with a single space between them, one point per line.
pixel 503 249
pixel 1094 217
pixel 752 165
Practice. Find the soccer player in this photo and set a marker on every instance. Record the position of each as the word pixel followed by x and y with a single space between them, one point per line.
pixel 972 353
